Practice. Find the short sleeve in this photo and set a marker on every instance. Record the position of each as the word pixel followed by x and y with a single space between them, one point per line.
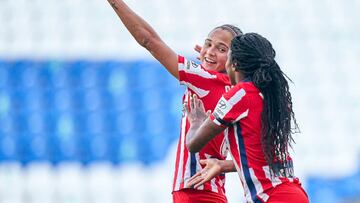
pixel 192 72
pixel 231 107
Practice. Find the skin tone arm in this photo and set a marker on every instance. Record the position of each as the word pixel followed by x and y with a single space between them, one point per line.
pixel 200 133
pixel 146 36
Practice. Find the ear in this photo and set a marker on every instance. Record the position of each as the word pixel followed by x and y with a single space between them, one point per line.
pixel 233 66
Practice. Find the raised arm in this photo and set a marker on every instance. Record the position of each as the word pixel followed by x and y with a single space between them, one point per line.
pixel 146 36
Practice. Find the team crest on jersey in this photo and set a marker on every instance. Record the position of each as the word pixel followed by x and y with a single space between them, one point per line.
pixel 190 64
pixel 194 65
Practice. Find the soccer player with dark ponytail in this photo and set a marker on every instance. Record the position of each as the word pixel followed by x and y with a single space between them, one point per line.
pixel 258 120
pixel 207 79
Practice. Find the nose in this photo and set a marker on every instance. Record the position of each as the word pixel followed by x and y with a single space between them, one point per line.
pixel 211 51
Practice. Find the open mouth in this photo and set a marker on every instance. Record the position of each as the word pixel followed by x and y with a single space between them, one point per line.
pixel 207 60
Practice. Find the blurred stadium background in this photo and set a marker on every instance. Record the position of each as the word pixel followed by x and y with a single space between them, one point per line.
pixel 86 115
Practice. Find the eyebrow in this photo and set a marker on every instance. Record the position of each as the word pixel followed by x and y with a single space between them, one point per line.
pixel 221 43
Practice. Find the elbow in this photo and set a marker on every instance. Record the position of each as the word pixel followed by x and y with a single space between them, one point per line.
pixel 192 147
pixel 147 40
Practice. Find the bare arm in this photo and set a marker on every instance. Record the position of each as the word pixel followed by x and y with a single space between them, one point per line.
pixel 200 134
pixel 146 36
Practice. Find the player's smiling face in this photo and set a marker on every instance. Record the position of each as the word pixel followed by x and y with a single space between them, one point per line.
pixel 213 54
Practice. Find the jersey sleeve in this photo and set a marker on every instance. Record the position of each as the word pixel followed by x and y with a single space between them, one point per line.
pixel 231 107
pixel 193 73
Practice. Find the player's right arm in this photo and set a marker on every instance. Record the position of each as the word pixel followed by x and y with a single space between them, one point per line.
pixel 146 36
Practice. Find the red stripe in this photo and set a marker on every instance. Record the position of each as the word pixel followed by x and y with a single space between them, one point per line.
pixel 181 59
pixel 177 163
pixel 186 157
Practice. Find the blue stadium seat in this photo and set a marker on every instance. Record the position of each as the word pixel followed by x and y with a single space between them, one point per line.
pixel 8 148
pixel 89 111
pixel 343 189
pixel 99 147
pixel 5 66
pixel 128 150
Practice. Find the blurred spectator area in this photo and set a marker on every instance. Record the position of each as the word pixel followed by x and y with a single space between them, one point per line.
pixel 85 111
pixel 76 88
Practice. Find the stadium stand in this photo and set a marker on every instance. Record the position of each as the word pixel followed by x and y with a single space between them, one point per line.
pixel 86 115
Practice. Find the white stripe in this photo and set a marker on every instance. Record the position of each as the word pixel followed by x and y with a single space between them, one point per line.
pixel 243 115
pixel 200 92
pixel 274 180
pixel 193 68
pixel 181 66
pixel 258 186
pixel 212 182
pixel 224 147
pixel 217 122
pixel 224 106
pixel 188 161
pixel 181 157
pixel 198 168
pixel 237 97
pixel 187 169
pixel 213 185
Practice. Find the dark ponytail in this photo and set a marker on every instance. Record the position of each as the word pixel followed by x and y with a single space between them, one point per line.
pixel 254 56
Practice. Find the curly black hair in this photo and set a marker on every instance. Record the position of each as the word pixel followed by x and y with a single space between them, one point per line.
pixel 254 56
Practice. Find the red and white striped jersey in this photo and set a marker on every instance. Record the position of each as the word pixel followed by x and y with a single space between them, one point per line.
pixel 240 109
pixel 209 87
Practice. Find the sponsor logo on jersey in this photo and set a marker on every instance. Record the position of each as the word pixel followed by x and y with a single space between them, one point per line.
pixel 222 107
pixel 222 104
pixel 194 65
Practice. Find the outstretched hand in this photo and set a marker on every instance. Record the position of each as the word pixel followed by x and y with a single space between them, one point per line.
pixel 212 168
pixel 195 110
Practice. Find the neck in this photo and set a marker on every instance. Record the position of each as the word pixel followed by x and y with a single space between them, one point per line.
pixel 239 76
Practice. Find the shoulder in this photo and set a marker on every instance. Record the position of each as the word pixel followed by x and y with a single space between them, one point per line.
pixel 241 90
pixel 248 87
pixel 190 67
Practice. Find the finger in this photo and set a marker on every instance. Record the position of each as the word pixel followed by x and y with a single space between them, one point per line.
pixel 186 103
pixel 195 176
pixel 208 113
pixel 198 103
pixel 191 102
pixel 197 48
pixel 195 99
pixel 200 183
pixel 201 105
pixel 193 182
